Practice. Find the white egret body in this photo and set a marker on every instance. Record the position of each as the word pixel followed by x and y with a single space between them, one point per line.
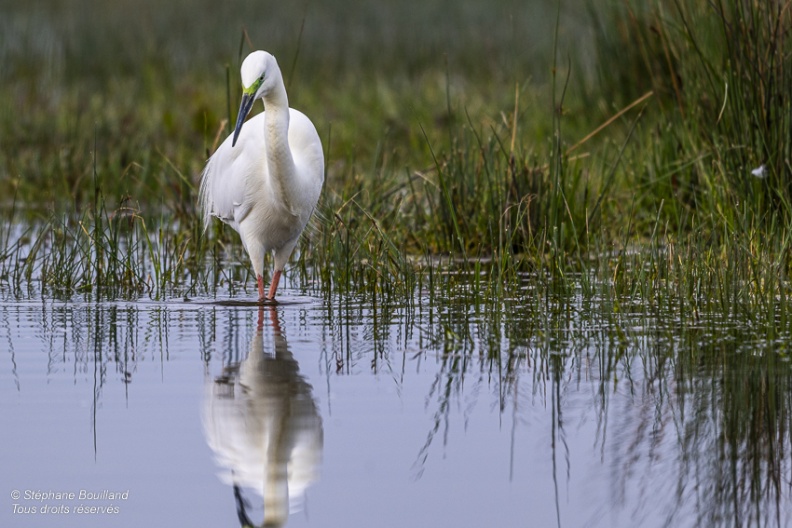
pixel 265 180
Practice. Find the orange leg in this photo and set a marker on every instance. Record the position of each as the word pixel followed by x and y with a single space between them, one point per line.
pixel 260 281
pixel 274 285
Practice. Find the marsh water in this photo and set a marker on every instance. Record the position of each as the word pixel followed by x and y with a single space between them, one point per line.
pixel 331 411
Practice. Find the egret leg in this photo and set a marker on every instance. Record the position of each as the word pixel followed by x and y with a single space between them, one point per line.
pixel 260 281
pixel 274 286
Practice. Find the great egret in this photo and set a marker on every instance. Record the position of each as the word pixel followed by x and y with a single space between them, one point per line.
pixel 265 180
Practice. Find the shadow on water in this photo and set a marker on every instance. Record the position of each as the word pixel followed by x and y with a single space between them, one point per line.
pixel 262 424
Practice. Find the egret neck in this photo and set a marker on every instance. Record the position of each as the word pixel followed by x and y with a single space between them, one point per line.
pixel 279 156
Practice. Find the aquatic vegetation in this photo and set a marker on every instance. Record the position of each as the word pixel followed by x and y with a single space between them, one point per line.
pixel 535 153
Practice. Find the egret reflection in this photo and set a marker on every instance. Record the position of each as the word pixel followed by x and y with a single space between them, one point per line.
pixel 262 423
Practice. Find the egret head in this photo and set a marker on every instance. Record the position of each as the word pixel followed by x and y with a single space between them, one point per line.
pixel 259 75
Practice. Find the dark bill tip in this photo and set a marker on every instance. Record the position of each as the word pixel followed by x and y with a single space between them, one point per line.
pixel 244 110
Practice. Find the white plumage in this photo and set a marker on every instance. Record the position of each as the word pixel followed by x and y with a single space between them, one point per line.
pixel 265 179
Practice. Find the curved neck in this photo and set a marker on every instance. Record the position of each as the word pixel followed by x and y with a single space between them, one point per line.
pixel 280 162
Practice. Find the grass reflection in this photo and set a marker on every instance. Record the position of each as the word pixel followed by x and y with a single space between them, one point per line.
pixel 693 414
pixel 678 419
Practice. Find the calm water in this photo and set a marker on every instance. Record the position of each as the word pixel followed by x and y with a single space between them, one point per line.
pixel 333 413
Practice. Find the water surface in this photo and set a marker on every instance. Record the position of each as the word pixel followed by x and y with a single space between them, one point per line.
pixel 335 412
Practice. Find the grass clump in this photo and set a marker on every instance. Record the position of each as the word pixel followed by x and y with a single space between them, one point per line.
pixel 721 75
pixel 552 140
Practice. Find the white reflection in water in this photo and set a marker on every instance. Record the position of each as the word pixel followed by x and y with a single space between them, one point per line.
pixel 261 421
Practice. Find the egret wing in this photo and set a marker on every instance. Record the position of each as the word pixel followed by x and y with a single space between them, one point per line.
pixel 226 179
